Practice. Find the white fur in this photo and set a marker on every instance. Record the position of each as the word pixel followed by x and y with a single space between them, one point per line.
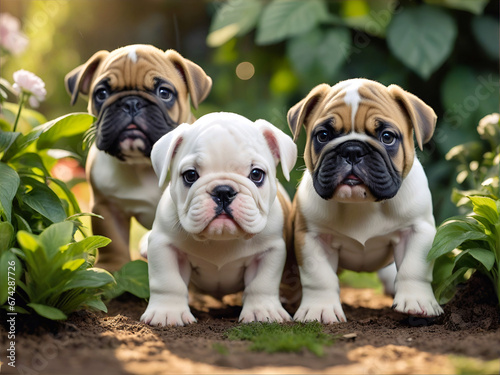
pixel 218 256
pixel 352 97
pixel 367 237
pixel 132 55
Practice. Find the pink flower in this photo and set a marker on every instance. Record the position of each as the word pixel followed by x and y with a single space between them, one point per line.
pixel 31 84
pixel 12 39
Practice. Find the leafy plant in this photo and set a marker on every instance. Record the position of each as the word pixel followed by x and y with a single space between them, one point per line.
pixel 471 242
pixel 53 273
pixel 44 270
pixel 274 337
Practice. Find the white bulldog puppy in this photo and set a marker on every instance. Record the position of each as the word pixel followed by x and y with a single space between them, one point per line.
pixel 219 226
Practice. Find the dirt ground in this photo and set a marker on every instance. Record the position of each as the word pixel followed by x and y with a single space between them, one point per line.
pixel 375 340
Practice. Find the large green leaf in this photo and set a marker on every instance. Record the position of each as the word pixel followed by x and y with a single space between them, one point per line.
pixel 89 278
pixel 282 19
pixel 486 207
pixel 55 236
pixel 422 38
pixel 43 200
pixel 316 50
pixel 48 312
pixel 9 182
pixel 63 127
pixel 452 234
pixel 233 18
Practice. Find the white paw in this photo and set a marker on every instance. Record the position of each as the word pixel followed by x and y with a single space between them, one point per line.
pixel 417 302
pixel 167 316
pixel 327 313
pixel 264 311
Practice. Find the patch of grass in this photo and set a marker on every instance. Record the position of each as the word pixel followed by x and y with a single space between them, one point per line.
pixel 361 280
pixel 275 337
pixel 220 348
pixel 465 365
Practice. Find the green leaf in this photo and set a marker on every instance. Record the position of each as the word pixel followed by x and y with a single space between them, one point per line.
pixel 70 197
pixel 28 241
pixel 445 290
pixel 133 278
pixel 31 162
pixel 485 257
pixel 97 304
pixel 21 143
pixel 316 50
pixel 55 236
pixel 452 234
pixel 485 29
pixel 63 127
pixel 48 312
pixel 472 6
pixel 9 183
pixel 89 278
pixel 282 19
pixel 485 207
pixel 12 270
pixel 6 236
pixel 43 200
pixel 73 265
pixel 234 18
pixel 422 38
pixel 7 139
pixel 88 244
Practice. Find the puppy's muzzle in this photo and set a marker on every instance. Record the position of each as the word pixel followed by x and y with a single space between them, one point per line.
pixel 223 195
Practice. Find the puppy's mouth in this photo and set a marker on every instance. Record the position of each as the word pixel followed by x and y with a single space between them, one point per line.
pixel 132 131
pixel 352 180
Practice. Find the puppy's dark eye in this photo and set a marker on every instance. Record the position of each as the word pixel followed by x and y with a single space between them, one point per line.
pixel 190 177
pixel 165 93
pixel 323 136
pixel 257 176
pixel 387 138
pixel 101 94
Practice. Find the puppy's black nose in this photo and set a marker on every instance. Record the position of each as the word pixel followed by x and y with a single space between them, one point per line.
pixel 223 195
pixel 353 152
pixel 131 106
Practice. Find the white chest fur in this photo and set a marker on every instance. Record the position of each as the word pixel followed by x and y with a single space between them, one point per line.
pixel 364 235
pixel 131 187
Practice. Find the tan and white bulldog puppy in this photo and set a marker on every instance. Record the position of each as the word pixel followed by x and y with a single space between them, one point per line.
pixel 364 201
pixel 219 225
pixel 138 93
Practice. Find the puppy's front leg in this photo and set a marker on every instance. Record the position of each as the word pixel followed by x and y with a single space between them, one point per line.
pixel 318 264
pixel 169 273
pixel 116 225
pixel 414 293
pixel 262 280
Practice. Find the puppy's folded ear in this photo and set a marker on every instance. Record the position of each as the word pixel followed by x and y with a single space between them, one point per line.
pixel 422 117
pixel 197 81
pixel 79 79
pixel 300 112
pixel 164 151
pixel 282 147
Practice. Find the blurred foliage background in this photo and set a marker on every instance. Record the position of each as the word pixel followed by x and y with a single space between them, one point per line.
pixel 266 55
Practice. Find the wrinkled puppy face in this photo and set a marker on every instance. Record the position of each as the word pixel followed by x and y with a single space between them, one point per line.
pixel 223 174
pixel 138 93
pixel 360 138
